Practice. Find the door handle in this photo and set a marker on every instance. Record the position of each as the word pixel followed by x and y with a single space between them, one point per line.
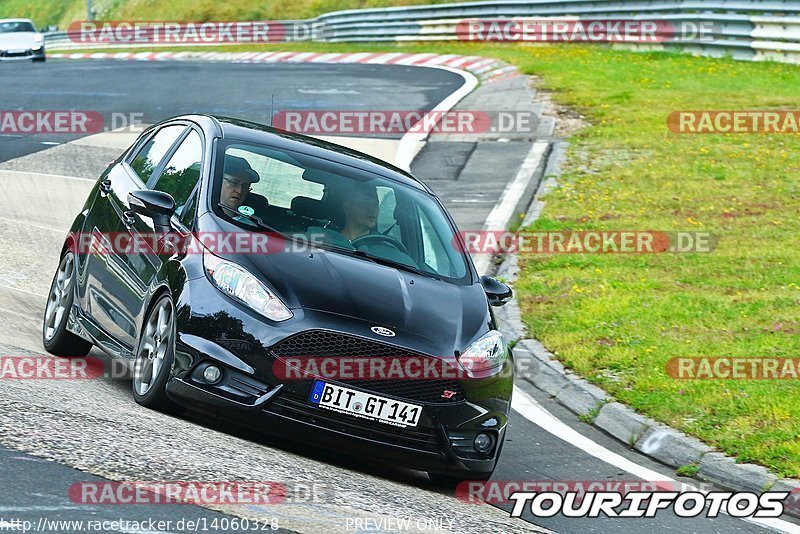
pixel 105 186
pixel 129 218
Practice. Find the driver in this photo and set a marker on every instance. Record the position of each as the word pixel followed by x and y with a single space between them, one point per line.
pixel 237 177
pixel 360 209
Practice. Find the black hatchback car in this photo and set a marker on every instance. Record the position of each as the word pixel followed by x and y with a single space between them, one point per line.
pixel 295 286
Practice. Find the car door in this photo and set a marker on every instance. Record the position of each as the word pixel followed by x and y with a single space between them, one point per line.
pixel 110 287
pixel 179 176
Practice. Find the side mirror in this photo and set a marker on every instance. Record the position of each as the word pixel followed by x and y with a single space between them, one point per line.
pixel 497 292
pixel 156 205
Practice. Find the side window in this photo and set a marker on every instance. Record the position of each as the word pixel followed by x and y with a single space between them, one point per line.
pixel 153 151
pixel 280 181
pixel 439 251
pixel 386 220
pixel 182 172
pixel 434 255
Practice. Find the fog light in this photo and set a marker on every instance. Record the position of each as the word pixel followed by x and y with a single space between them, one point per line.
pixel 212 374
pixel 483 442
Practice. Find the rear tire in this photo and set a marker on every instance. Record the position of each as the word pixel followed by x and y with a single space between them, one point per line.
pixel 56 338
pixel 155 354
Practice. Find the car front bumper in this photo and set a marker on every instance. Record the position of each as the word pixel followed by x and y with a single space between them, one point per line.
pixel 431 449
pixel 22 55
pixel 250 394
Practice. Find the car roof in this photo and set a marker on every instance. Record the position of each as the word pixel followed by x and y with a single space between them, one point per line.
pixel 248 131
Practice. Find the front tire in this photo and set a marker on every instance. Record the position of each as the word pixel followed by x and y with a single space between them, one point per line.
pixel 56 338
pixel 155 354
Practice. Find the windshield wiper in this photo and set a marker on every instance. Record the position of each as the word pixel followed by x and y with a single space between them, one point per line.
pixel 391 263
pixel 252 218
pixel 377 259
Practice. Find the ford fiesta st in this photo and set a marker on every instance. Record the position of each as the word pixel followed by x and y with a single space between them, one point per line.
pixel 20 40
pixel 294 286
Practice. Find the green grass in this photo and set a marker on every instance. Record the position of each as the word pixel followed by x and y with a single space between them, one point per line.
pixel 62 12
pixel 689 470
pixel 618 320
pixel 44 12
pixel 248 9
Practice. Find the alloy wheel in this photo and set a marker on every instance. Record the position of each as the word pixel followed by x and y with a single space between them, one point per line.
pixel 154 347
pixel 58 300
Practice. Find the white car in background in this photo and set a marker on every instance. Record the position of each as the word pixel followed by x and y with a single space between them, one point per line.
pixel 20 40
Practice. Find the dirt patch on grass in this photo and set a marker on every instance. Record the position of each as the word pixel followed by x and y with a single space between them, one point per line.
pixel 568 121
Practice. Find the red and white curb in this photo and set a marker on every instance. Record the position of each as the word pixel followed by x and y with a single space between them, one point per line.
pixel 485 69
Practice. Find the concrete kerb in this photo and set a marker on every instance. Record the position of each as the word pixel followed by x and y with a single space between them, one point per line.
pixel 667 445
pixel 792 503
pixel 723 470
pixel 473 64
pixel 656 440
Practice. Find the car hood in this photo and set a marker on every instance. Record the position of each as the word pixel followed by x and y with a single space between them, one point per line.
pixel 439 315
pixel 430 315
pixel 11 41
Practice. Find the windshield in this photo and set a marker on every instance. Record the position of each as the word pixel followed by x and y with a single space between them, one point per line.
pixel 16 27
pixel 338 207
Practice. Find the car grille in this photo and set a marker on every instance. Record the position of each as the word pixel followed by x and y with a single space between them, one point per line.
pixel 322 343
pixel 6 53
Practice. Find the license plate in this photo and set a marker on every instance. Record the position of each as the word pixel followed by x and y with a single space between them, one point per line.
pixel 364 405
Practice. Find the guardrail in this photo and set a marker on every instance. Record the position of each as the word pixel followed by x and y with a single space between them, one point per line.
pixel 745 29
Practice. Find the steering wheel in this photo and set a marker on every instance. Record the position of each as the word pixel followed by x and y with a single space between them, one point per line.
pixel 385 239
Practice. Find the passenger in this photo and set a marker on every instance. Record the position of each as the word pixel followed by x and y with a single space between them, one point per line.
pixel 360 207
pixel 237 177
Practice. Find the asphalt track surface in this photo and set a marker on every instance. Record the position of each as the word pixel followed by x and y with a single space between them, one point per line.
pixel 94 429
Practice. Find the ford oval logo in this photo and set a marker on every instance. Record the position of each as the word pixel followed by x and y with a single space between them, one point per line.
pixel 381 331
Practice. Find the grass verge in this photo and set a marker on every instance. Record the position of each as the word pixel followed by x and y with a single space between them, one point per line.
pixel 617 319
pixel 63 12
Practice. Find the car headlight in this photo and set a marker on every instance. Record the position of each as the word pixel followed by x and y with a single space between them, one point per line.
pixel 236 282
pixel 486 355
pixel 38 38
